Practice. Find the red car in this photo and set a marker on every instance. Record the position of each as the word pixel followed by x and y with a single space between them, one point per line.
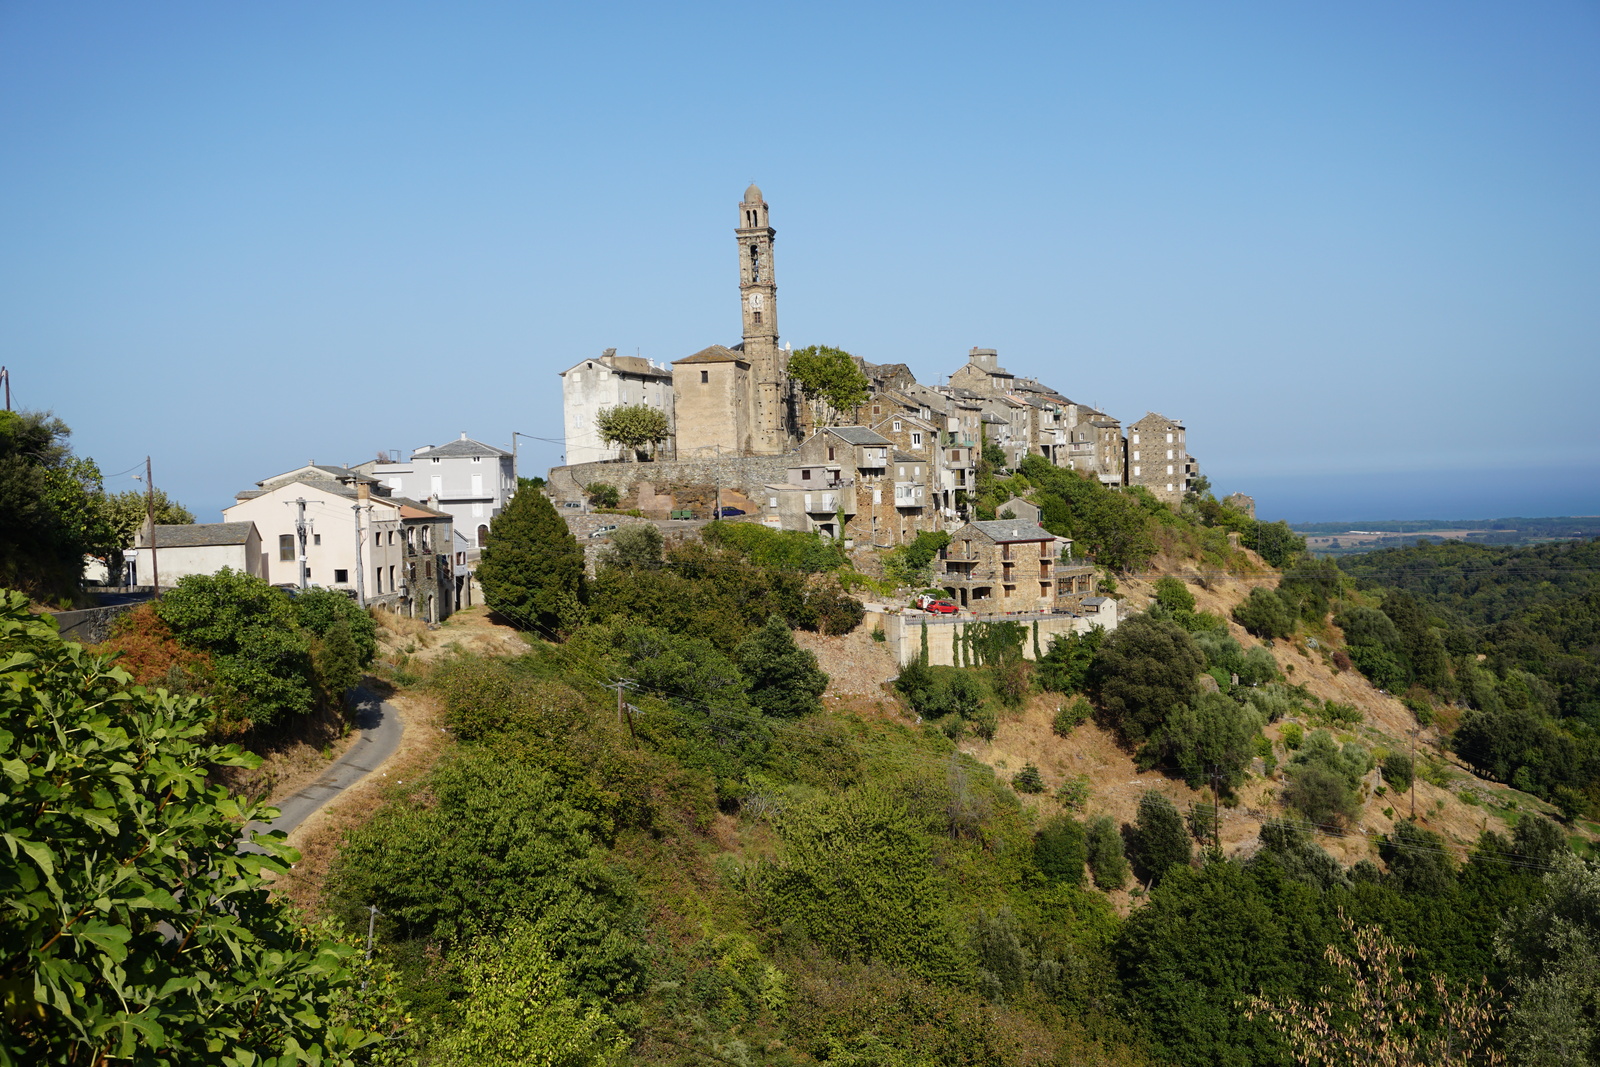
pixel 937 607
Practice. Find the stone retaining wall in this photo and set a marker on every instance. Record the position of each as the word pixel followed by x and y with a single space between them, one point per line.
pixel 672 484
pixel 90 626
pixel 903 632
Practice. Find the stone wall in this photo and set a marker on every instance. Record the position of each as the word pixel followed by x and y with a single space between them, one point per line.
pixel 90 626
pixel 903 632
pixel 685 482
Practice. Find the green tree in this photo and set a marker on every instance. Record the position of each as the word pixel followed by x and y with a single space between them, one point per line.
pixel 1143 670
pixel 1174 595
pixel 1275 541
pixel 1551 951
pixel 855 873
pixel 1106 859
pixel 532 566
pixel 1397 771
pixel 1264 614
pixel 1160 840
pixel 112 837
pixel 1065 667
pixel 633 426
pixel 830 380
pixel 784 678
pixel 262 658
pixel 127 513
pixel 602 494
pixel 521 1007
pixel 1210 735
pixel 318 611
pixel 636 546
pixel 49 512
pixel 1060 850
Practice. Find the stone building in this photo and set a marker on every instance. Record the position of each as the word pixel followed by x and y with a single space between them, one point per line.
pixel 609 380
pixel 741 400
pixel 1012 565
pixel 1158 457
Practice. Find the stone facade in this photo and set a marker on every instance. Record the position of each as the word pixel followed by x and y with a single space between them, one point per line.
pixel 908 634
pixel 1158 458
pixel 1011 565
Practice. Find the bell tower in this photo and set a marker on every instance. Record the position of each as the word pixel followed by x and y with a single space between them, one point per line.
pixel 758 301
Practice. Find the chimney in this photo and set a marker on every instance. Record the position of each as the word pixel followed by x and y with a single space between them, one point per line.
pixel 363 492
pixel 463 435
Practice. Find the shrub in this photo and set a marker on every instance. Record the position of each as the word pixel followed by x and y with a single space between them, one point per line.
pixel 1028 780
pixel 1264 614
pixel 1174 595
pixel 1070 715
pixel 836 611
pixel 1065 667
pixel 1060 850
pixel 784 679
pixel 1397 770
pixel 1074 792
pixel 1159 837
pixel 1106 858
pixel 602 494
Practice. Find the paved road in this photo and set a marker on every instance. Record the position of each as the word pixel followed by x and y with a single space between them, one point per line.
pixel 380 727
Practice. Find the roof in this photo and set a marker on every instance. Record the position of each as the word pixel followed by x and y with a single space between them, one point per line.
pixel 1094 601
pixel 714 354
pixel 901 457
pixel 315 472
pixel 1003 530
pixel 858 435
pixel 752 195
pixel 462 446
pixel 202 534
pixel 1158 418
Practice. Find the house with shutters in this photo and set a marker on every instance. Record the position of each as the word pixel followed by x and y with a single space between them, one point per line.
pixel 1007 566
pixel 470 481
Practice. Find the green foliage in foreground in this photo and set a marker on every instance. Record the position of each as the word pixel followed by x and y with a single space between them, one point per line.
pixel 134 928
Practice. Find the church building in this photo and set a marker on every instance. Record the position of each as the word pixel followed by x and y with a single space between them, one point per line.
pixel 739 401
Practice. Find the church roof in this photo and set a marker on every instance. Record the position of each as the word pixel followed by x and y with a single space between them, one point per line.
pixel 714 354
pixel 752 195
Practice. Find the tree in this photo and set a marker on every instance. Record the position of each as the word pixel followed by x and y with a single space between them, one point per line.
pixel 632 426
pixel 1551 950
pixel 784 678
pixel 1160 840
pixel 521 1008
pixel 1378 1014
pixel 532 566
pixel 634 547
pixel 1065 667
pixel 1174 595
pixel 135 929
pixel 1106 858
pixel 1060 850
pixel 1142 671
pixel 1210 735
pixel 1264 614
pixel 830 380
pixel 262 658
pixel 1275 541
pixel 49 515
pixel 127 513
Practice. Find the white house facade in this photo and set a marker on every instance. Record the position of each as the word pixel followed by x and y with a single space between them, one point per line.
pixel 610 380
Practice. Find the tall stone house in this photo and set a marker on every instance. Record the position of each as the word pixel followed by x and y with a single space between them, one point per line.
pixel 1158 458
pixel 590 386
pixel 1012 565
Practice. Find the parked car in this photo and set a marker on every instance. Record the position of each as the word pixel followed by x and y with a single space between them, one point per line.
pixel 602 531
pixel 937 606
pixel 730 512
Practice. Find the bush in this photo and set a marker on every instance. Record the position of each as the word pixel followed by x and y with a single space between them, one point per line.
pixel 602 494
pixel 1264 614
pixel 1106 858
pixel 783 678
pixel 1160 839
pixel 1174 595
pixel 1065 667
pixel 1060 850
pixel 1028 780
pixel 1073 793
pixel 1398 771
pixel 836 611
pixel 1070 715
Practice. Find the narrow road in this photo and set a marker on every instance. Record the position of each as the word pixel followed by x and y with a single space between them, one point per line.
pixel 380 727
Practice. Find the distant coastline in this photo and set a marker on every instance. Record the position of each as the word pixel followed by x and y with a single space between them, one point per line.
pixel 1352 538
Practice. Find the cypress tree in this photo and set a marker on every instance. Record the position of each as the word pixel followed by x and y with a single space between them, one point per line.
pixel 532 566
pixel 1162 840
pixel 784 678
pixel 1106 860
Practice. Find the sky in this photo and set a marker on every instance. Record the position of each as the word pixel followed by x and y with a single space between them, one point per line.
pixel 1355 246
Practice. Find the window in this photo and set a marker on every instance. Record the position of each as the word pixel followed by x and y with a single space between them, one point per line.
pixel 902 472
pixel 705 376
pixel 830 451
pixel 477 459
pixel 341 577
pixel 805 475
pixel 1136 453
pixel 435 459
pixel 896 425
pixel 577 377
pixel 772 501
pixel 1135 438
pixel 1169 470
pixel 316 539
pixel 1169 438
pixel 1169 453
pixel 916 440
pixel 1136 472
pixel 483 536
pixel 285 546
pixel 377 574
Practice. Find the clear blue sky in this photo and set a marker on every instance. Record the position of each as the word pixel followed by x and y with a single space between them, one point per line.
pixel 1355 246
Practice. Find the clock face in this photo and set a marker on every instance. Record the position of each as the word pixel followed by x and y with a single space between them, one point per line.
pixel 757 301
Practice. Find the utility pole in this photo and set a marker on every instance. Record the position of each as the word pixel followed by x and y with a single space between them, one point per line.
pixel 620 686
pixel 1413 774
pixel 363 499
pixel 372 919
pixel 5 376
pixel 149 512
pixel 1216 811
pixel 302 530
